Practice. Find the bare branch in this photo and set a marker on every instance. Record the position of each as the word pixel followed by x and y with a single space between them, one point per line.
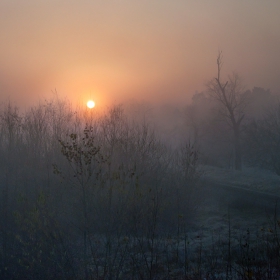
pixel 233 101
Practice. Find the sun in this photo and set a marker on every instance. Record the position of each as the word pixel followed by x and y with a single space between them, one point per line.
pixel 90 104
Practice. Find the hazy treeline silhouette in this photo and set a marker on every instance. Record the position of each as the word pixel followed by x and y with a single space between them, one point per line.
pixel 259 137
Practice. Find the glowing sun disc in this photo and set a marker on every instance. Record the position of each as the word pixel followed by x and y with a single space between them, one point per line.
pixel 90 104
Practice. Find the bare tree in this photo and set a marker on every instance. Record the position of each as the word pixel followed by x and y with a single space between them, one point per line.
pixel 230 95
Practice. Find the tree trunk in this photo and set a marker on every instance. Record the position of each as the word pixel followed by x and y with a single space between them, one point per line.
pixel 237 150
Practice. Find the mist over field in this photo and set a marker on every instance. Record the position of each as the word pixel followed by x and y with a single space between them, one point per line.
pixel 172 172
pixel 143 191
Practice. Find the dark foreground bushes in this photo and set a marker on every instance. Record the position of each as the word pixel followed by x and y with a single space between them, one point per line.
pixel 88 196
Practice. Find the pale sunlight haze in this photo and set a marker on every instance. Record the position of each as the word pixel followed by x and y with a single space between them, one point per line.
pixel 91 104
pixel 158 51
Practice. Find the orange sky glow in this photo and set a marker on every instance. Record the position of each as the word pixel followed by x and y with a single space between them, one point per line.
pixel 112 51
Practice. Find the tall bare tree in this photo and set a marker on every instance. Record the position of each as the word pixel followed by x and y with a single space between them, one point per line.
pixel 233 100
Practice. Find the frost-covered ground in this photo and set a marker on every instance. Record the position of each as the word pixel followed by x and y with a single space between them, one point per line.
pixel 231 218
pixel 229 236
pixel 252 178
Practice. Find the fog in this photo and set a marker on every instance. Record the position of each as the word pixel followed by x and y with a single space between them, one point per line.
pixel 133 189
pixel 126 49
pixel 174 174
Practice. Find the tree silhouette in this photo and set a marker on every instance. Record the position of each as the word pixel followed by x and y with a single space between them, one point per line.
pixel 230 95
pixel 85 160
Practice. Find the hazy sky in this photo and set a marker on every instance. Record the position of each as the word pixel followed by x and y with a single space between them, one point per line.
pixel 144 49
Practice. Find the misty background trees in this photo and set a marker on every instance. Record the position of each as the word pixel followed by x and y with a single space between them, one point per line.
pixel 232 125
pixel 215 137
pixel 263 139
